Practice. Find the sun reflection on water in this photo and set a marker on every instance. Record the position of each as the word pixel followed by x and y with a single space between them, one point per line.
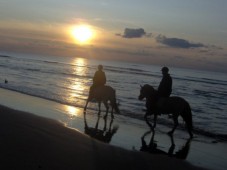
pixel 77 84
pixel 80 66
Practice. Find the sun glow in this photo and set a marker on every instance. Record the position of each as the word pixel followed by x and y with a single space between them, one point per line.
pixel 82 33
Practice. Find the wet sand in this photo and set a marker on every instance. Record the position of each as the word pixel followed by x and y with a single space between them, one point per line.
pixel 35 140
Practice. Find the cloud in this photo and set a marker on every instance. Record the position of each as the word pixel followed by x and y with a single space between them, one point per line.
pixel 134 33
pixel 177 42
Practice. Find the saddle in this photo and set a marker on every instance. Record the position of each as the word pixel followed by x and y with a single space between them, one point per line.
pixel 161 102
pixel 158 106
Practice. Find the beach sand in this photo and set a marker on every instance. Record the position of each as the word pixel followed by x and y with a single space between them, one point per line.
pixel 32 139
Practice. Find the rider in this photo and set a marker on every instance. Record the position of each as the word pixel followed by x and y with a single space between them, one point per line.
pixel 165 87
pixel 99 78
pixel 163 92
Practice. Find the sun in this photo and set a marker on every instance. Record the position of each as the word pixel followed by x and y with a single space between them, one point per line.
pixel 82 33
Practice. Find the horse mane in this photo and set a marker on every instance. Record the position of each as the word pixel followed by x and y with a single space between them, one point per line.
pixel 150 89
pixel 148 86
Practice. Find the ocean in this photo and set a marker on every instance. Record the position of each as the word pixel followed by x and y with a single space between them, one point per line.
pixel 67 80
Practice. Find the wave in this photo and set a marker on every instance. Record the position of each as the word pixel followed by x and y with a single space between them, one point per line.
pixel 32 69
pixel 51 62
pixel 203 80
pixel 5 56
pixel 218 137
pixel 122 70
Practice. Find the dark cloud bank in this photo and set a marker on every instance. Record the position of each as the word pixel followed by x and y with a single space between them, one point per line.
pixel 177 42
pixel 170 42
pixel 134 33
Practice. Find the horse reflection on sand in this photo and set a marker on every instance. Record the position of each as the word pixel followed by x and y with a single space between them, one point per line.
pixel 153 148
pixel 171 105
pixel 102 134
pixel 103 94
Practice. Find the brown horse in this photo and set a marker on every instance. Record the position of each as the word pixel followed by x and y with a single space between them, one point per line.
pixel 104 94
pixel 171 105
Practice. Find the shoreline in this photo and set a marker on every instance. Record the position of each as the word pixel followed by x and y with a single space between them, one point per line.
pixel 217 137
pixel 204 152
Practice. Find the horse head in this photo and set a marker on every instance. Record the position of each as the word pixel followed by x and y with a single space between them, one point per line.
pixel 146 91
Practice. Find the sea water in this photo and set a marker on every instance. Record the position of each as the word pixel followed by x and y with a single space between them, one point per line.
pixel 67 80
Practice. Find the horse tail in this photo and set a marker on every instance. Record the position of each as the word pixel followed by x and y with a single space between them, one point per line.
pixel 187 116
pixel 114 103
pixel 116 108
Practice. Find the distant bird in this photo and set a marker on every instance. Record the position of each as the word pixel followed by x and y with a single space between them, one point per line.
pixel 6 81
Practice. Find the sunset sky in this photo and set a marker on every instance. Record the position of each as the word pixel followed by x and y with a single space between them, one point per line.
pixel 176 33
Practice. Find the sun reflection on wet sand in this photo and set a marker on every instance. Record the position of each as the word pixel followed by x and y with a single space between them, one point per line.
pixel 73 111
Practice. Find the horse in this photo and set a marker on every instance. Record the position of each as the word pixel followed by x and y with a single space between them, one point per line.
pixel 172 105
pixel 103 94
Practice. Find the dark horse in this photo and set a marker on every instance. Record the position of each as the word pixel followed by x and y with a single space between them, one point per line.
pixel 171 105
pixel 103 94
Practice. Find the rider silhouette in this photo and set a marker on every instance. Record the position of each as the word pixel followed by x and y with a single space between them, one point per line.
pixel 165 86
pixel 163 92
pixel 99 78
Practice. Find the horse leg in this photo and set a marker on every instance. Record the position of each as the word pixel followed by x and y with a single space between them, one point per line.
pixel 112 116
pixel 85 107
pixel 172 147
pixel 97 123
pixel 113 104
pixel 147 121
pixel 175 119
pixel 99 104
pixel 155 119
pixel 107 108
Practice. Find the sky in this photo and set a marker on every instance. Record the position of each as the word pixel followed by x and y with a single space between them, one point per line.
pixel 175 33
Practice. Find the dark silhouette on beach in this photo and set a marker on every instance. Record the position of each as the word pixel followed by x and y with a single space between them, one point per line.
pixel 102 93
pixel 99 78
pixel 6 81
pixel 165 86
pixel 104 134
pixel 153 148
pixel 163 92
pixel 177 106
